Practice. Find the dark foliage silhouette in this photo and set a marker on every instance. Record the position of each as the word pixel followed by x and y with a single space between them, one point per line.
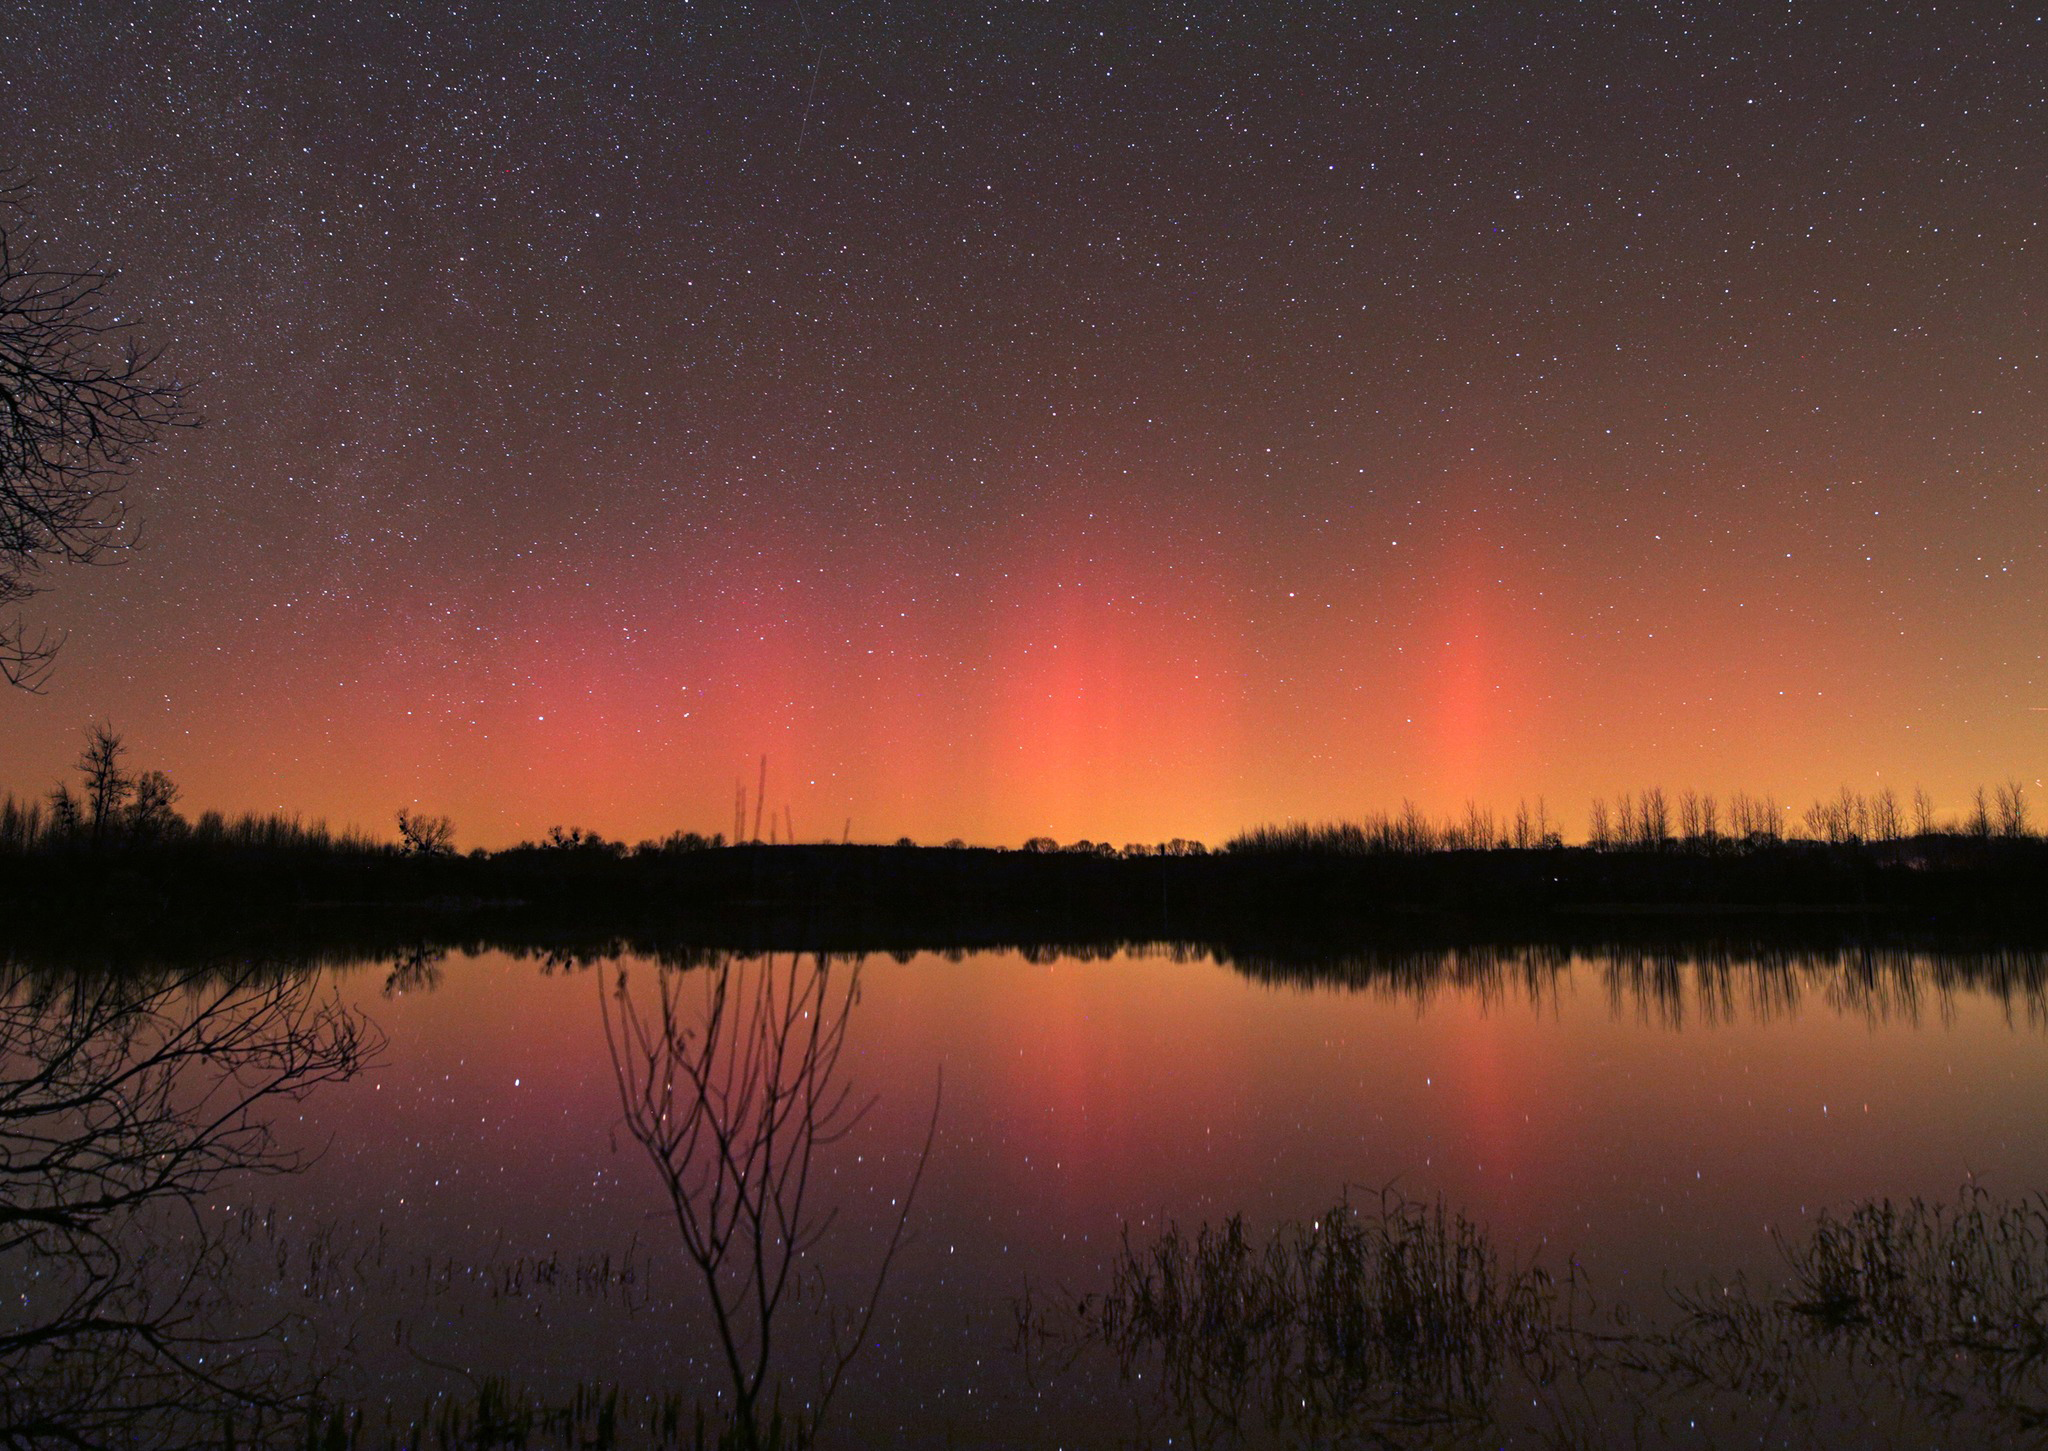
pixel 117 835
pixel 421 835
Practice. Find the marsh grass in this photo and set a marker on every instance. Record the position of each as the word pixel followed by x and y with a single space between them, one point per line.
pixel 500 1414
pixel 1941 1307
pixel 1973 1274
pixel 1386 1313
pixel 1395 1323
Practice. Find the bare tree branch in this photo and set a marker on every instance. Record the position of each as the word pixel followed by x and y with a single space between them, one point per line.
pixel 81 400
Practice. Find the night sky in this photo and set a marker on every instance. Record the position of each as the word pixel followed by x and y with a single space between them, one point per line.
pixel 1106 421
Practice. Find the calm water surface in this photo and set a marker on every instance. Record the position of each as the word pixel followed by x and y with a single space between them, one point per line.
pixel 478 1204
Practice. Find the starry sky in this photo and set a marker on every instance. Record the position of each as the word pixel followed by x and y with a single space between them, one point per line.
pixel 1120 421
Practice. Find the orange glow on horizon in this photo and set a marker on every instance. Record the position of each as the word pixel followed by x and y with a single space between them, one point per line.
pixel 1118 677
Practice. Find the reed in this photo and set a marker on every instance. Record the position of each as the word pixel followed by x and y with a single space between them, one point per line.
pixel 1399 1324
pixel 1388 1311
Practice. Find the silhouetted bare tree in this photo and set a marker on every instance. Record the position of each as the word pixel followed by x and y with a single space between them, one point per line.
pixel 2012 810
pixel 153 810
pixel 107 785
pixel 66 817
pixel 80 401
pixel 1690 828
pixel 1829 821
pixel 1599 826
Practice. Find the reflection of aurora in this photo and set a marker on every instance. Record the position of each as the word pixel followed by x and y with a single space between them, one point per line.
pixel 1088 1085
pixel 1670 985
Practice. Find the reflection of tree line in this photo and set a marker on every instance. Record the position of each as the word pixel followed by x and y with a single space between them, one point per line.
pixel 1670 983
pixel 1390 1323
pixel 1672 986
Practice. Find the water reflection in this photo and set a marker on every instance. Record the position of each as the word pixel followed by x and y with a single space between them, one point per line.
pixel 1670 984
pixel 730 1078
pixel 551 1215
pixel 125 1099
pixel 1670 980
pixel 416 970
pixel 1673 985
pixel 1390 1323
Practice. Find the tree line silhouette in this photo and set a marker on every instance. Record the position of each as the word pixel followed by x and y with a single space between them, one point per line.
pixel 1655 820
pixel 112 839
pixel 110 804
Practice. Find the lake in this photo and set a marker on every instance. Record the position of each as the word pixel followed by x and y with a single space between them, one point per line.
pixel 480 1201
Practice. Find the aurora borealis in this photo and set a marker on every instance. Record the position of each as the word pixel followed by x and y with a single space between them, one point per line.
pixel 1098 420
